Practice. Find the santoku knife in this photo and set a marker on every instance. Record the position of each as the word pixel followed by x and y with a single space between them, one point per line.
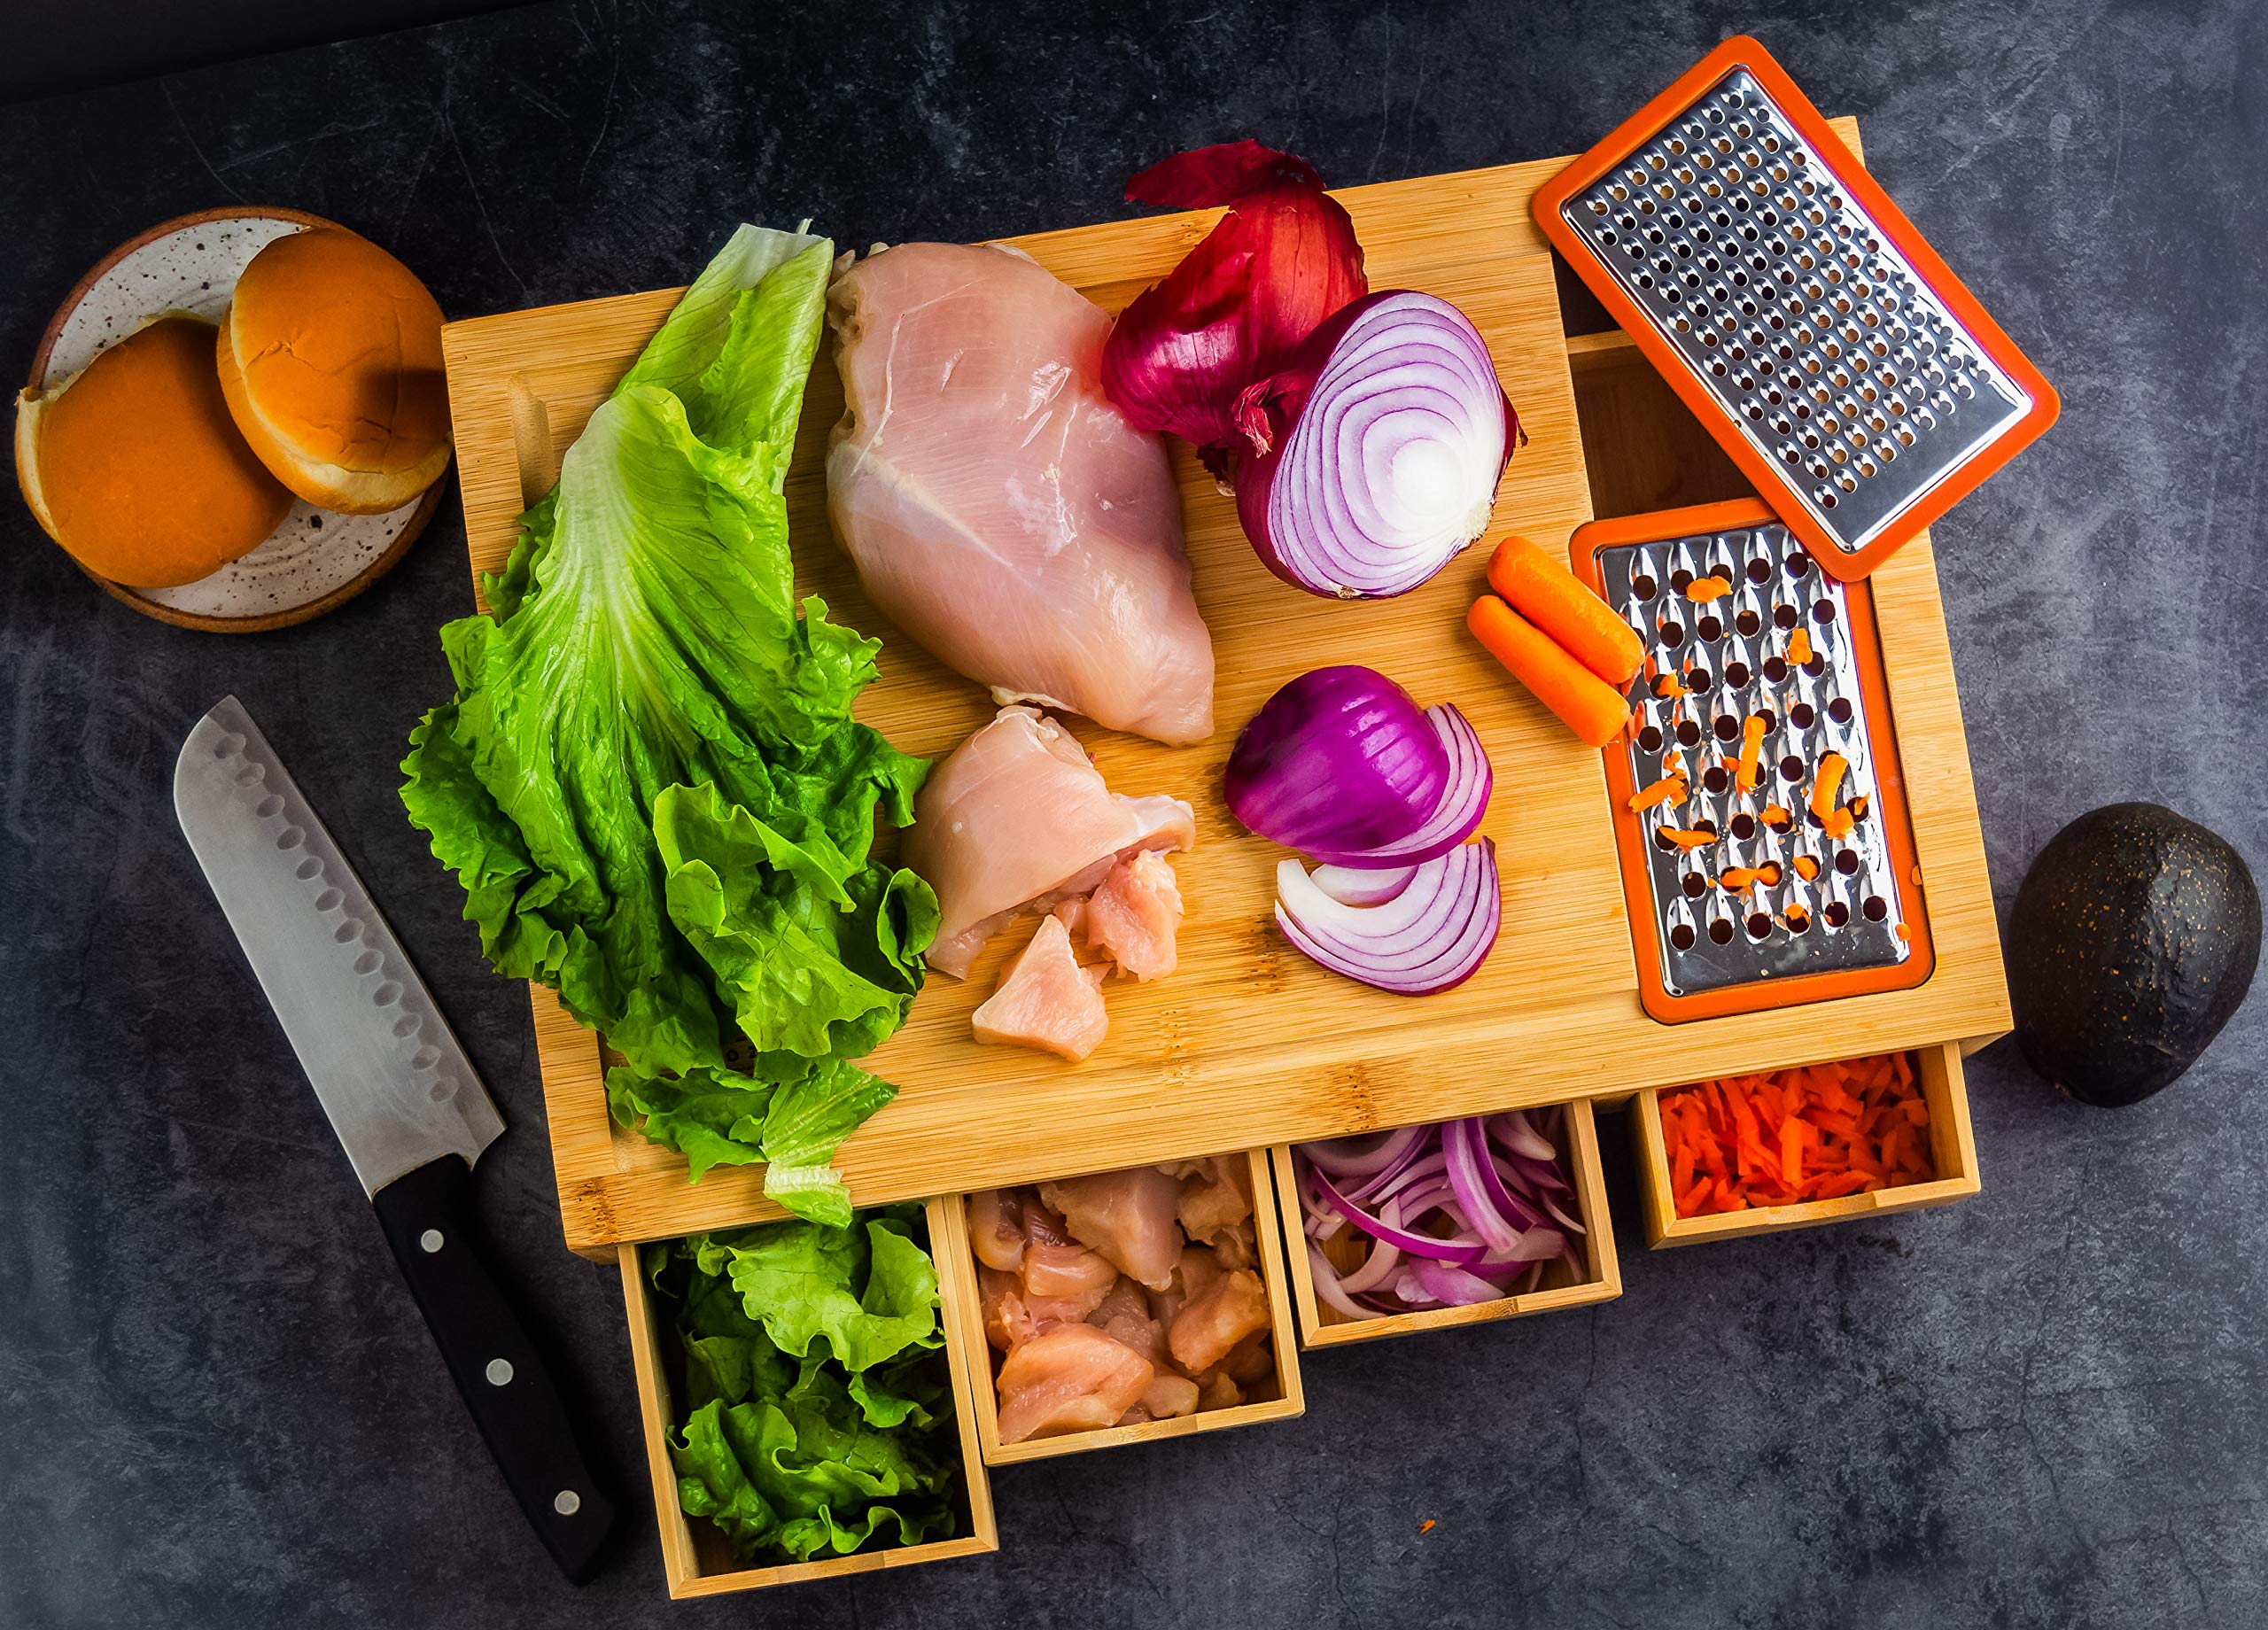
pixel 399 1092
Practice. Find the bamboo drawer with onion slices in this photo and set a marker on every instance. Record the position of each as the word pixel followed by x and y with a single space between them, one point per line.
pixel 696 1559
pixel 1271 1393
pixel 1584 1274
pixel 1942 1167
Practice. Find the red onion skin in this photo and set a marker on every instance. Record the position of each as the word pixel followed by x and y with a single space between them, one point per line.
pixel 1282 260
pixel 1264 419
pixel 1340 759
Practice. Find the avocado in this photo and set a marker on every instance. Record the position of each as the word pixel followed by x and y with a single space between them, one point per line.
pixel 2132 942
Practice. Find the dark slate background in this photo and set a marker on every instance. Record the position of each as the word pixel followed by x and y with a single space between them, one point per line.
pixel 2040 1408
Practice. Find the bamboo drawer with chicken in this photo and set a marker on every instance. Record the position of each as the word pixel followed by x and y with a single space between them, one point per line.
pixel 1123 1306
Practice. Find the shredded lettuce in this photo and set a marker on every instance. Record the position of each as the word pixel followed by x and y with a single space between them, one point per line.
pixel 819 1400
pixel 648 782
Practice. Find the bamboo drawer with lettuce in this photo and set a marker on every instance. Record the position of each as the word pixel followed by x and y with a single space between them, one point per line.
pixel 1248 1044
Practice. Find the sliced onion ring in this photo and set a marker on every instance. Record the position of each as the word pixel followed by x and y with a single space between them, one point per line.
pixel 1431 936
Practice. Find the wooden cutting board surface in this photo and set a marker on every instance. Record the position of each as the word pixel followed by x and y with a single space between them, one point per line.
pixel 1248 1042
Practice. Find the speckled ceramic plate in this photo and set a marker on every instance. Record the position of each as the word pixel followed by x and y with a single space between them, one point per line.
pixel 316 558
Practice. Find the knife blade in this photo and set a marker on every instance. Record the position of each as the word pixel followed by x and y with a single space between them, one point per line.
pixel 407 1104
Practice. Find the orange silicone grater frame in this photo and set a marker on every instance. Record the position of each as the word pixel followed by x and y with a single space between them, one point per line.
pixel 1856 924
pixel 1802 319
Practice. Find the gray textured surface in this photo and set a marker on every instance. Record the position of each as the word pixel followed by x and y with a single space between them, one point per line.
pixel 2041 1407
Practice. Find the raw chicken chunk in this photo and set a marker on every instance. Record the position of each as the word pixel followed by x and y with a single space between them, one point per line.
pixel 1168 1395
pixel 1124 1315
pixel 1061 1271
pixel 1047 1000
pixel 1134 916
pixel 1204 1331
pixel 1072 1378
pixel 1017 816
pixel 1215 1197
pixel 1127 1216
pixel 996 1229
pixel 998 509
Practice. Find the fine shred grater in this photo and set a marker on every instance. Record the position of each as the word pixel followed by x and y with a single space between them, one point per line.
pixel 1772 861
pixel 1812 332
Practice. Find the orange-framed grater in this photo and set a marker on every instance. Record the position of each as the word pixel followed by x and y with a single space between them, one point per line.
pixel 1776 865
pixel 1841 364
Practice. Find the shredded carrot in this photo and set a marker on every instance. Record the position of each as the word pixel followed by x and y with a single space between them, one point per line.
pixel 1799 646
pixel 1778 817
pixel 1701 591
pixel 1793 1136
pixel 1823 786
pixel 1689 841
pixel 1797 919
pixel 1670 790
pixel 1426 1526
pixel 1806 867
pixel 1752 750
pixel 1740 879
pixel 1667 687
pixel 1838 824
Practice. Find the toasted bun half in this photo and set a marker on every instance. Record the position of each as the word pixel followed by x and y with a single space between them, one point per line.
pixel 330 360
pixel 137 468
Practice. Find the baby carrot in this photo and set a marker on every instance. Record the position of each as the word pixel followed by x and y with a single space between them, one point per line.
pixel 1752 748
pixel 1586 704
pixel 1542 590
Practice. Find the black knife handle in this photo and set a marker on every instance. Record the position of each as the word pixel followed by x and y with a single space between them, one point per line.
pixel 428 1217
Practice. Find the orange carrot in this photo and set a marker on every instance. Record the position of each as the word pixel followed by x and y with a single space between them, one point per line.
pixel 1701 591
pixel 1778 816
pixel 1541 589
pixel 1831 766
pixel 1806 867
pixel 1752 750
pixel 1586 704
pixel 1797 1135
pixel 1740 879
pixel 1667 687
pixel 1670 790
pixel 1838 824
pixel 1799 651
pixel 1689 841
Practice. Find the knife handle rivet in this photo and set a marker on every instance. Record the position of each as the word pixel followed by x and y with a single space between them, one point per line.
pixel 567 1502
pixel 500 1372
pixel 431 1241
pixel 291 837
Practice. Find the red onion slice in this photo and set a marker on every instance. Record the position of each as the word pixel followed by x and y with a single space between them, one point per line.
pixel 1433 936
pixel 1347 1157
pixel 1464 800
pixel 1360 885
pixel 1398 433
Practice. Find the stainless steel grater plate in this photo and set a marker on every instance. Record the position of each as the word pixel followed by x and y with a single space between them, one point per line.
pixel 1731 656
pixel 1796 312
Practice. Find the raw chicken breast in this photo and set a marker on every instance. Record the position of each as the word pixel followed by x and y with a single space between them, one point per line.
pixel 998 509
pixel 1205 1331
pixel 1133 917
pixel 1017 816
pixel 1127 1216
pixel 1045 1000
pixel 1070 1378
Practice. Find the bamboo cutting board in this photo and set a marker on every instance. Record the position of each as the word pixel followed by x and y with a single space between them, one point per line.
pixel 1248 1044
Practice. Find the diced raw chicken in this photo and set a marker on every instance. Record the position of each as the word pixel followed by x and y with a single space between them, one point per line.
pixel 1127 1216
pixel 996 1229
pixel 1215 1197
pixel 1203 1332
pixel 1134 916
pixel 1249 1363
pixel 1124 1315
pixel 1016 816
pixel 1072 1378
pixel 1218 1392
pixel 1057 1272
pixel 1073 915
pixel 1168 1395
pixel 1042 1223
pixel 1047 1000
pixel 1194 1275
pixel 998 509
pixel 1013 1315
pixel 1237 1246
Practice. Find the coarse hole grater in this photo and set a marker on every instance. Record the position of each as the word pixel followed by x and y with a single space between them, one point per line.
pixel 1812 332
pixel 1760 813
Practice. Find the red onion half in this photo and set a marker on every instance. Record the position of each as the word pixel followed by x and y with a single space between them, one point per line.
pixel 1463 801
pixel 1431 936
pixel 1338 763
pixel 1374 454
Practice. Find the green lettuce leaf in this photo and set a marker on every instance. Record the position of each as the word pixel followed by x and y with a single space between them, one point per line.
pixel 648 782
pixel 819 1416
